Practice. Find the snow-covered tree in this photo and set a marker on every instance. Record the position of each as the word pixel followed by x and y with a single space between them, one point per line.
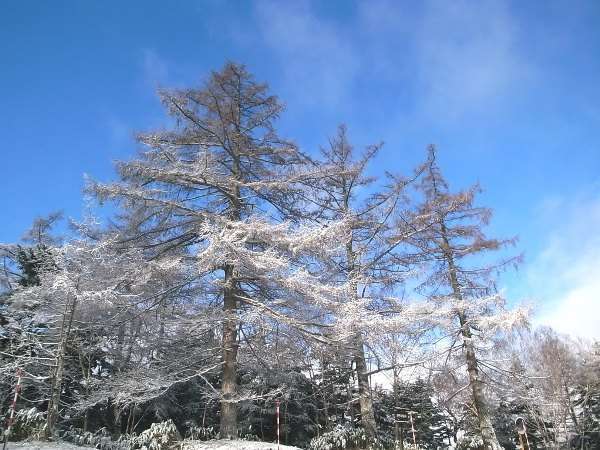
pixel 238 271
pixel 85 280
pixel 216 188
pixel 459 281
pixel 587 403
pixel 24 265
pixel 555 378
pixel 22 262
pixel 369 264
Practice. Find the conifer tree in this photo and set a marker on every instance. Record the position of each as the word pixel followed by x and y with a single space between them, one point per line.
pixel 215 189
pixel 370 263
pixel 588 401
pixel 463 291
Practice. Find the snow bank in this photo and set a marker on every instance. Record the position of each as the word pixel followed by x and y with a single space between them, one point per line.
pixel 189 445
pixel 30 445
pixel 234 445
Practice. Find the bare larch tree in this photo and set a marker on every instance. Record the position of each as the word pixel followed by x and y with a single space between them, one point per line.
pixel 452 240
pixel 369 262
pixel 222 164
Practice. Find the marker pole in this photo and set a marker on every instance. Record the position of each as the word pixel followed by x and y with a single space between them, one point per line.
pixel 412 426
pixel 277 414
pixel 13 407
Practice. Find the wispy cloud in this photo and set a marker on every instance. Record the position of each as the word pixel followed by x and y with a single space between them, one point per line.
pixel 464 56
pixel 318 59
pixel 566 274
pixel 454 58
pixel 154 68
pixel 468 55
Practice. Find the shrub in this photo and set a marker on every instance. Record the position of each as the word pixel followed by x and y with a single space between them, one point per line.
pixel 28 423
pixel 101 439
pixel 198 433
pixel 160 436
pixel 340 438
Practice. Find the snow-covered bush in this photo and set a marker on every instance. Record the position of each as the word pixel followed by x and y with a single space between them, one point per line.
pixel 249 437
pixel 160 436
pixel 101 439
pixel 28 423
pixel 198 433
pixel 77 436
pixel 469 443
pixel 340 438
pixel 343 437
pixel 410 446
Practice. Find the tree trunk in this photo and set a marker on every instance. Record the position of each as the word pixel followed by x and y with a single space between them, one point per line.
pixel 488 435
pixel 57 375
pixel 160 345
pixel 85 373
pixel 325 397
pixel 571 409
pixel 490 441
pixel 367 416
pixel 228 429
pixel 229 346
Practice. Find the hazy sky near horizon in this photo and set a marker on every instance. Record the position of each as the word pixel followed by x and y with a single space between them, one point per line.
pixel 508 91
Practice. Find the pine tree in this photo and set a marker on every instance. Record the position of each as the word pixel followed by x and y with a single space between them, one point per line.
pixel 24 262
pixel 410 405
pixel 25 265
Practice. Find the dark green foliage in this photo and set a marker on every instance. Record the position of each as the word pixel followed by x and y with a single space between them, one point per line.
pixel 298 406
pixel 504 426
pixel 335 391
pixel 31 262
pixel 588 403
pixel 412 399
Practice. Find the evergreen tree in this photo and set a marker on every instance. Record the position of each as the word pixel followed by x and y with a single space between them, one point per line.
pixel 31 262
pixel 588 402
pixel 410 406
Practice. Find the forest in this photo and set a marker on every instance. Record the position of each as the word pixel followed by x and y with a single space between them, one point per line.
pixel 225 273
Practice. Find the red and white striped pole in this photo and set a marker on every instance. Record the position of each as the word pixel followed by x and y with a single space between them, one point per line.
pixel 13 407
pixel 277 414
pixel 412 426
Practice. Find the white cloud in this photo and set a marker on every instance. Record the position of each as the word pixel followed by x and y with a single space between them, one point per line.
pixel 565 276
pixel 317 57
pixel 577 312
pixel 452 58
pixel 465 56
pixel 154 67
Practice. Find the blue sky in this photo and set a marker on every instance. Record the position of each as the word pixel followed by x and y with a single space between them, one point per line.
pixel 507 90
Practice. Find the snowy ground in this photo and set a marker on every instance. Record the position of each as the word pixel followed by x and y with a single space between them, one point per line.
pixel 209 445
pixel 42 446
pixel 235 445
